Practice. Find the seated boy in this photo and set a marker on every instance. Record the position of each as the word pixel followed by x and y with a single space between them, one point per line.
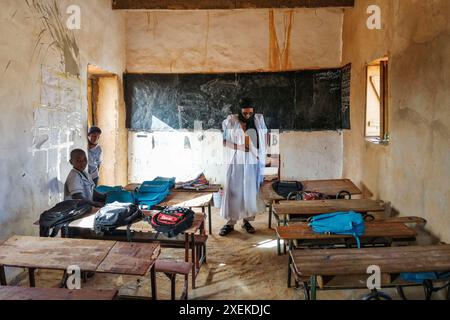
pixel 79 184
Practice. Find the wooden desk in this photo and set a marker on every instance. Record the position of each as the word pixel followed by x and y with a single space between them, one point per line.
pixel 391 260
pixel 305 209
pixel 21 293
pixel 329 187
pixel 194 238
pixel 90 255
pixel 187 198
pixel 376 233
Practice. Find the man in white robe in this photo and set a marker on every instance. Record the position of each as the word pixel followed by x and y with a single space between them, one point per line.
pixel 245 151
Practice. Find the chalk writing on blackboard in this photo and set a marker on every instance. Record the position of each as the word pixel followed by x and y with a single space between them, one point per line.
pixel 310 100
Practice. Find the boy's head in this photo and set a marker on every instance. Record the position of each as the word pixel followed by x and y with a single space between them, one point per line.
pixel 78 159
pixel 94 135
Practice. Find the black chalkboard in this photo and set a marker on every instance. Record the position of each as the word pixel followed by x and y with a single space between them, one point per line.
pixel 345 89
pixel 301 100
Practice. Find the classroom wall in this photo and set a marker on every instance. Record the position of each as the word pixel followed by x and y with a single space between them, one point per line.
pixel 413 171
pixel 43 99
pixel 236 41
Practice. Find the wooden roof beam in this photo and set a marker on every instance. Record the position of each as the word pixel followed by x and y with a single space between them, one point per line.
pixel 224 4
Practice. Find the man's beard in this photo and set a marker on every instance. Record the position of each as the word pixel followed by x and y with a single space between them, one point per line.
pixel 249 121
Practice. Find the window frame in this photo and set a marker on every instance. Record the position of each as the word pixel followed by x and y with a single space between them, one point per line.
pixel 383 63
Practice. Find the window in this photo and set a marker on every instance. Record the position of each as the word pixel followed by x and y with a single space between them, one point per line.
pixel 376 129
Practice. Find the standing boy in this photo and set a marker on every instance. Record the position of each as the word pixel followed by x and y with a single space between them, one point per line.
pixel 95 153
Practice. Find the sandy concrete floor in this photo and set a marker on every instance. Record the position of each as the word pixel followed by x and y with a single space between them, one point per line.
pixel 239 267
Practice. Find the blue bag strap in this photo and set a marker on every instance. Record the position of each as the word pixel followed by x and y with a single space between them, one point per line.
pixel 358 241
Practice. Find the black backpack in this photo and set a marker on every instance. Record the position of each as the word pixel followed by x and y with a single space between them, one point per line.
pixel 116 215
pixel 284 188
pixel 173 221
pixel 61 215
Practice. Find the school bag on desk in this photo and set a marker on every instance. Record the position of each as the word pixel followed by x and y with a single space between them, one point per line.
pixel 350 223
pixel 121 196
pixel 172 221
pixel 107 189
pixel 151 193
pixel 51 221
pixel 171 181
pixel 285 188
pixel 115 215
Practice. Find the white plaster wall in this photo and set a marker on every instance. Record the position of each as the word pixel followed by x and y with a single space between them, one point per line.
pixel 35 140
pixel 413 171
pixel 305 155
pixel 311 155
pixel 234 41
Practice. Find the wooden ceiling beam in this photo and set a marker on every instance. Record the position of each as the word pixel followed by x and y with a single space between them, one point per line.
pixel 225 4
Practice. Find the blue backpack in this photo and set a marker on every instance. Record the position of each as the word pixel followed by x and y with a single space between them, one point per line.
pixel 151 193
pixel 351 223
pixel 107 189
pixel 154 187
pixel 171 181
pixel 120 196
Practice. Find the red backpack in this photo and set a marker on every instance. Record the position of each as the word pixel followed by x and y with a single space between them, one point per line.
pixel 172 221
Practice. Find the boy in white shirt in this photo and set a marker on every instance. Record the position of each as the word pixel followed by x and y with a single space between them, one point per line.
pixel 79 184
pixel 95 153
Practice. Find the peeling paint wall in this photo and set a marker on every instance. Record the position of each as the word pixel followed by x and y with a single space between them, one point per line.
pixel 43 102
pixel 237 41
pixel 413 172
pixel 233 40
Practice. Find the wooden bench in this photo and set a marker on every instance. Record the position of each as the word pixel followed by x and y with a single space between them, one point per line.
pixel 310 265
pixel 21 293
pixel 171 269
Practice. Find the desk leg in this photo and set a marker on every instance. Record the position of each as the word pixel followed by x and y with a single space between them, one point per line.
pixel 186 247
pixel 289 265
pixel 270 215
pixel 2 276
pixel 31 277
pixel 313 281
pixel 210 218
pixel 153 282
pixel 194 261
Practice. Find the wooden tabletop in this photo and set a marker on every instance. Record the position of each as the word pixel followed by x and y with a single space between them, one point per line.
pixel 144 226
pixel 187 199
pixel 89 255
pixel 328 206
pixel 53 253
pixel 130 258
pixel 302 231
pixel 355 261
pixel 329 187
pixel 23 293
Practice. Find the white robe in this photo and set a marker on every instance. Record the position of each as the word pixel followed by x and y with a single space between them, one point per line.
pixel 244 171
